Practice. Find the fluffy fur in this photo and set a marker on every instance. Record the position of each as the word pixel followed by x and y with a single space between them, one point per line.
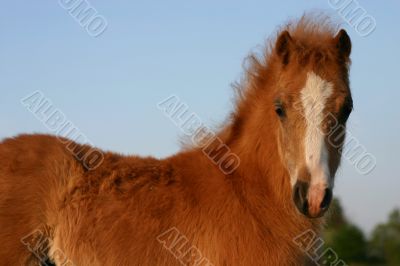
pixel 112 215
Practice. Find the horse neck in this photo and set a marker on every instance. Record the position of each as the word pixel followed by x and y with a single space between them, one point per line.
pixel 261 171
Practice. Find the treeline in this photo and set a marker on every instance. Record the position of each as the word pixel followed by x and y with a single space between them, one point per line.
pixel 353 247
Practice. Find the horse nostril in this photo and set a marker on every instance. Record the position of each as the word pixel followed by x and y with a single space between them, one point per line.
pixel 327 199
pixel 300 196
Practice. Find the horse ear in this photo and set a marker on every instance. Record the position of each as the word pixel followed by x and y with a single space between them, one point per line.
pixel 283 46
pixel 343 43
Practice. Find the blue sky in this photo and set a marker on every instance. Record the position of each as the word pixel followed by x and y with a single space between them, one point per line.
pixel 109 86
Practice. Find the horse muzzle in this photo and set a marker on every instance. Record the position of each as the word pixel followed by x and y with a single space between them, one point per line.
pixel 312 201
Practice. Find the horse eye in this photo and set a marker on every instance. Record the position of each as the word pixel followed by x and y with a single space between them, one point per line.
pixel 279 111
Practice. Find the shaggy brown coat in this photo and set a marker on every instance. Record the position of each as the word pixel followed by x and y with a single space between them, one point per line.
pixel 118 213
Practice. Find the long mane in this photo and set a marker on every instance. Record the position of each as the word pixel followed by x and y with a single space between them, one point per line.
pixel 311 31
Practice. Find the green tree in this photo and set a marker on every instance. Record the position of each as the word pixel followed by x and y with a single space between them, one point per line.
pixel 385 241
pixel 349 243
pixel 346 239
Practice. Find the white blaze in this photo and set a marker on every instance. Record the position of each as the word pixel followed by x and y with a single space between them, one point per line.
pixel 314 96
